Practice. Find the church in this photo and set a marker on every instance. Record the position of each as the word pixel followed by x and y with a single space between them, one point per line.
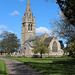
pixel 28 37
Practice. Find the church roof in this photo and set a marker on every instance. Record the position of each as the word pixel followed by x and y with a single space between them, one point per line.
pixel 31 44
pixel 49 39
pixel 28 9
pixel 31 39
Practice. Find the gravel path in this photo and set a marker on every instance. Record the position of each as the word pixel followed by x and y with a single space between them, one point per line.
pixel 18 68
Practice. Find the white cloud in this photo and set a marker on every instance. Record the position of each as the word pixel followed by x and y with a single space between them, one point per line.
pixel 21 0
pixel 15 13
pixel 0 32
pixel 3 27
pixel 41 30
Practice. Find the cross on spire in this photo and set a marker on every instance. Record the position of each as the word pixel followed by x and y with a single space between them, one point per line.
pixel 28 7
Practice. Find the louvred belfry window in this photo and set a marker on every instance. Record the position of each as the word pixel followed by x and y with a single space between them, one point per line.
pixel 29 27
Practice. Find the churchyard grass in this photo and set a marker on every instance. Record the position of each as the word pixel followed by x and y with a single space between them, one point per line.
pixel 3 69
pixel 50 66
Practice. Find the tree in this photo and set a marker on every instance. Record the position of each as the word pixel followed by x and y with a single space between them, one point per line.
pixel 68 9
pixel 72 49
pixel 71 46
pixel 40 46
pixel 65 30
pixel 62 45
pixel 9 43
pixel 66 25
pixel 1 51
pixel 62 28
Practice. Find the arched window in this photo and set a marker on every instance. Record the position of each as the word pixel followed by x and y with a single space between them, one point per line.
pixel 29 27
pixel 54 48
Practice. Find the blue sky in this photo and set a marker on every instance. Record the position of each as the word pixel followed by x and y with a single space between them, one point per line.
pixel 12 12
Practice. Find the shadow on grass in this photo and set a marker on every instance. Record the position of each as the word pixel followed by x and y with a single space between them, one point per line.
pixel 3 73
pixel 65 67
pixel 21 69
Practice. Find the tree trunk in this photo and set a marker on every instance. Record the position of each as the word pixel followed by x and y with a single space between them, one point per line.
pixel 1 52
pixel 41 55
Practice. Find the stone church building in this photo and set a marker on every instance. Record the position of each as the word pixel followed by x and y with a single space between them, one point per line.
pixel 29 36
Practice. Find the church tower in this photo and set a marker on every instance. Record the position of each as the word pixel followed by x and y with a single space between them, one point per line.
pixel 28 25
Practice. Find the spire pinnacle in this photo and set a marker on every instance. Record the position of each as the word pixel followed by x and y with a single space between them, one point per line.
pixel 28 7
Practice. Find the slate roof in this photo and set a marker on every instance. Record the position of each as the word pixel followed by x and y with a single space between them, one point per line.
pixel 31 44
pixel 49 39
pixel 31 39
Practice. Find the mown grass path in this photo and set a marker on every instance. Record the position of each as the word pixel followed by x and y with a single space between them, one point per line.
pixel 50 66
pixel 18 68
pixel 3 69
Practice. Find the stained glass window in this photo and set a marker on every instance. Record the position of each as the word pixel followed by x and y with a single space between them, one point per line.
pixel 55 47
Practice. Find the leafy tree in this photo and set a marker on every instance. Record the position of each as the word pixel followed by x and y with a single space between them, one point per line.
pixel 9 43
pixel 68 32
pixel 68 9
pixel 1 51
pixel 62 45
pixel 71 46
pixel 72 49
pixel 40 46
pixel 65 27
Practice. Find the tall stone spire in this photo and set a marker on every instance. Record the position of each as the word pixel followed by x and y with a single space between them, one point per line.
pixel 28 24
pixel 28 7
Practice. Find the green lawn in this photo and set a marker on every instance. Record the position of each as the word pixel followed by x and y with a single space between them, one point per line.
pixel 3 69
pixel 51 66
